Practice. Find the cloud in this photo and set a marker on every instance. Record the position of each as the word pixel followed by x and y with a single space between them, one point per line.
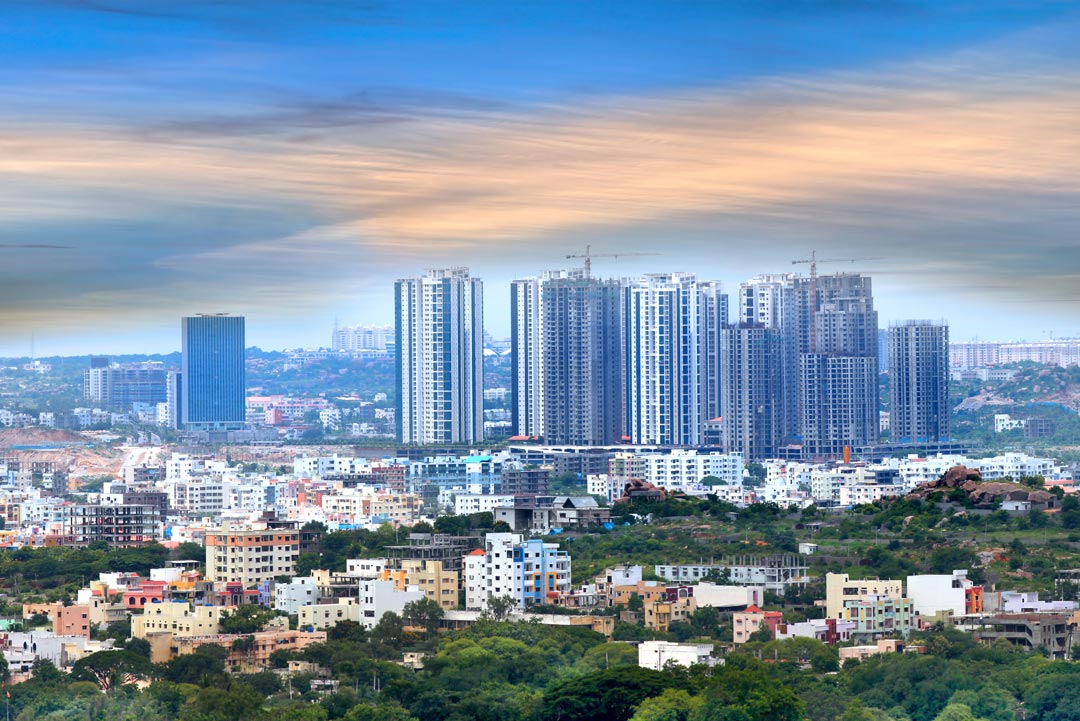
pixel 958 166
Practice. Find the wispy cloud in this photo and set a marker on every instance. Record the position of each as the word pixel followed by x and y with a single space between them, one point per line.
pixel 954 165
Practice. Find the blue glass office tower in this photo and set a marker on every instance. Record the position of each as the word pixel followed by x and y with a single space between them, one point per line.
pixel 212 368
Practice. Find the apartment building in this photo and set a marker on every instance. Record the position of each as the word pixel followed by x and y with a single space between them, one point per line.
pixel 840 590
pixel 251 556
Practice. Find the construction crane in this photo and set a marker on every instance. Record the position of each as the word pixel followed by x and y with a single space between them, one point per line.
pixel 813 260
pixel 588 255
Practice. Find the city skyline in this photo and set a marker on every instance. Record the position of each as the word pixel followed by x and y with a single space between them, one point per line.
pixel 287 165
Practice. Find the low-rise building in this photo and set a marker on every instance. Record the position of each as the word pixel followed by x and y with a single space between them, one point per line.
pixel 774 573
pixel 290 597
pixel 840 589
pixel 1051 632
pixel 658 654
pixel 944 594
pixel 321 616
pixel 861 653
pixel 746 623
pixel 877 616
pixel 176 618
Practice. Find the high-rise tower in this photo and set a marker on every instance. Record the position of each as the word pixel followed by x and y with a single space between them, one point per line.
pixel 835 335
pixel 213 391
pixel 439 321
pixel 750 366
pixel 671 341
pixel 919 410
pixel 567 373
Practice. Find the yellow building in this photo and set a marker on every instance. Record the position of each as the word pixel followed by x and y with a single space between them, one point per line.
pixel 438 584
pixel 839 589
pixel 176 619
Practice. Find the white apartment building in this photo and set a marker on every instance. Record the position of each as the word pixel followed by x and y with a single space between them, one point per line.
pixel 933 594
pixel 773 573
pixel 378 597
pixel 318 466
pixel 321 616
pixel 684 470
pixel 489 572
pixel 466 503
pixel 300 591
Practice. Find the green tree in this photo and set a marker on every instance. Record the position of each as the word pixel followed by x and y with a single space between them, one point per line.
pixel 109 669
pixel 610 695
pixel 425 613
pixel 671 705
pixel 248 618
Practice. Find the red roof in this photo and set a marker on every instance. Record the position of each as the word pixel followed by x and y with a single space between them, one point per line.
pixel 752 608
pixel 478 552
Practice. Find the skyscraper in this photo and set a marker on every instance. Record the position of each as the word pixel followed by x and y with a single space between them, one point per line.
pixel 671 341
pixel 769 301
pixel 212 367
pixel 837 388
pixel 567 373
pixel 751 398
pixel 440 330
pixel 919 410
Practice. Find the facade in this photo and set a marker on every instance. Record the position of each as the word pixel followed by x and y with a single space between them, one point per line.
pixel 840 590
pixel 877 616
pixel 773 573
pixel 299 591
pixel 658 654
pixel 212 370
pixel 746 623
pixel 752 395
pixel 118 525
pixel 177 619
pixel 118 386
pixel 919 408
pixel 941 594
pixel 671 356
pixel 836 336
pixel 524 480
pixel 251 556
pixel 1053 632
pixel 566 346
pixel 436 582
pixel 530 572
pixel 440 329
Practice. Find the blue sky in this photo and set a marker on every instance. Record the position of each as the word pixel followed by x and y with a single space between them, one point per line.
pixel 286 161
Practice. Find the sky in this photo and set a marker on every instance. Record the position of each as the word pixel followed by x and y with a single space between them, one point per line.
pixel 286 161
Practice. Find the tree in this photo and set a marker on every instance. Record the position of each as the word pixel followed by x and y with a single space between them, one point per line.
pixel 424 613
pixel 387 636
pixel 672 705
pixel 248 618
pixel 109 669
pixel 499 608
pixel 610 695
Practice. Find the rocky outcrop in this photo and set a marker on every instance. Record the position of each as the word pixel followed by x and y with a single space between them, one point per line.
pixel 983 495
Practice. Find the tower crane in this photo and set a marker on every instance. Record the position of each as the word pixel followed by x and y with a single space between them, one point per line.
pixel 813 260
pixel 588 255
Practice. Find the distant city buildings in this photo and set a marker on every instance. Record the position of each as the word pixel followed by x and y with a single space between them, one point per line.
pixel 439 321
pixel 212 375
pixel 118 386
pixel 362 338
